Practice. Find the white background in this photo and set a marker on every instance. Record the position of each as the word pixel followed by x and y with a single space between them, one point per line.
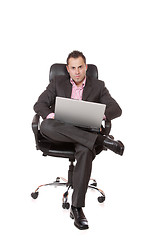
pixel 123 39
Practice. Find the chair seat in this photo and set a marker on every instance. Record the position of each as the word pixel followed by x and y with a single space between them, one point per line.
pixel 66 150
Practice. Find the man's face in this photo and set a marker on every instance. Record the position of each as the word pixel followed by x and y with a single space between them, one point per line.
pixel 77 70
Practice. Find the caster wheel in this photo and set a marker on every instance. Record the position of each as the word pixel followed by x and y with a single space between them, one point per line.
pixel 94 184
pixel 57 179
pixel 65 205
pixel 34 195
pixel 101 199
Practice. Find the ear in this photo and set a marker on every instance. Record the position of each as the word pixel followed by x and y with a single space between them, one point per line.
pixel 86 67
pixel 67 68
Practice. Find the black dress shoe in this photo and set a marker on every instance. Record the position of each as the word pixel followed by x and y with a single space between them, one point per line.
pixel 115 146
pixel 80 220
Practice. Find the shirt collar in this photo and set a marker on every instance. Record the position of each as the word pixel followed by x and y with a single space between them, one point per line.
pixel 73 83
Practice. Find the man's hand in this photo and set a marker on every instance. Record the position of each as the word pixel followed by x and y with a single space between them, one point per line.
pixel 51 115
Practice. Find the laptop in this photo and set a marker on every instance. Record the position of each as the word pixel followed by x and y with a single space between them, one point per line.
pixel 87 115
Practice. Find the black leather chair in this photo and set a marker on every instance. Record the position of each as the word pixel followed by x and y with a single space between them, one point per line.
pixel 65 150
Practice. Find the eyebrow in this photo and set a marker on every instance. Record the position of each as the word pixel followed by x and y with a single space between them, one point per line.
pixel 78 66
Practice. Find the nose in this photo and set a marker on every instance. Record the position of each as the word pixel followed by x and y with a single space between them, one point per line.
pixel 77 71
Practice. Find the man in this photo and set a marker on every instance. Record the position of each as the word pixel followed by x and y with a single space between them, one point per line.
pixel 78 86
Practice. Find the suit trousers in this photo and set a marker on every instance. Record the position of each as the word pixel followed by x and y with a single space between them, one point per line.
pixel 84 143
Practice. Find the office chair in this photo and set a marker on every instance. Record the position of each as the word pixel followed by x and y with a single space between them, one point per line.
pixel 66 150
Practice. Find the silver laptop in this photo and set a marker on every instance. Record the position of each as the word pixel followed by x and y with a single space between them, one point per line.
pixel 80 113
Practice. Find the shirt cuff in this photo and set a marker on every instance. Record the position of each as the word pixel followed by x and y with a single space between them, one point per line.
pixel 51 115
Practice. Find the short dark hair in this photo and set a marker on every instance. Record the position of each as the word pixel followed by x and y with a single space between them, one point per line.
pixel 76 54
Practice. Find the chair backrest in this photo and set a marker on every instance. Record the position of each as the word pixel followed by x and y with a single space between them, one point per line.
pixel 59 69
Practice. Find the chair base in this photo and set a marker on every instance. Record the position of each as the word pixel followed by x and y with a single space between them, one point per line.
pixel 60 181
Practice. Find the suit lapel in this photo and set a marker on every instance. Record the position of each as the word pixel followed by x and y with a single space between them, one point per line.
pixel 67 88
pixel 87 89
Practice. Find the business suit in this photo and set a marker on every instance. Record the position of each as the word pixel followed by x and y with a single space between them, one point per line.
pixel 94 91
pixel 84 142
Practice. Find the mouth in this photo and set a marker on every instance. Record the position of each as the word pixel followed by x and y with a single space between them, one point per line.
pixel 77 76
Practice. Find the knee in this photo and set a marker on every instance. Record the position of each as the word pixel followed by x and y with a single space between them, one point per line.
pixel 46 125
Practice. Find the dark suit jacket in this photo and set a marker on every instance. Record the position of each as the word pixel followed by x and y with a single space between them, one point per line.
pixel 94 91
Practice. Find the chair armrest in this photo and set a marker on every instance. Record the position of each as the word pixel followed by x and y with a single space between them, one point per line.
pixel 35 123
pixel 106 130
pixel 35 128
